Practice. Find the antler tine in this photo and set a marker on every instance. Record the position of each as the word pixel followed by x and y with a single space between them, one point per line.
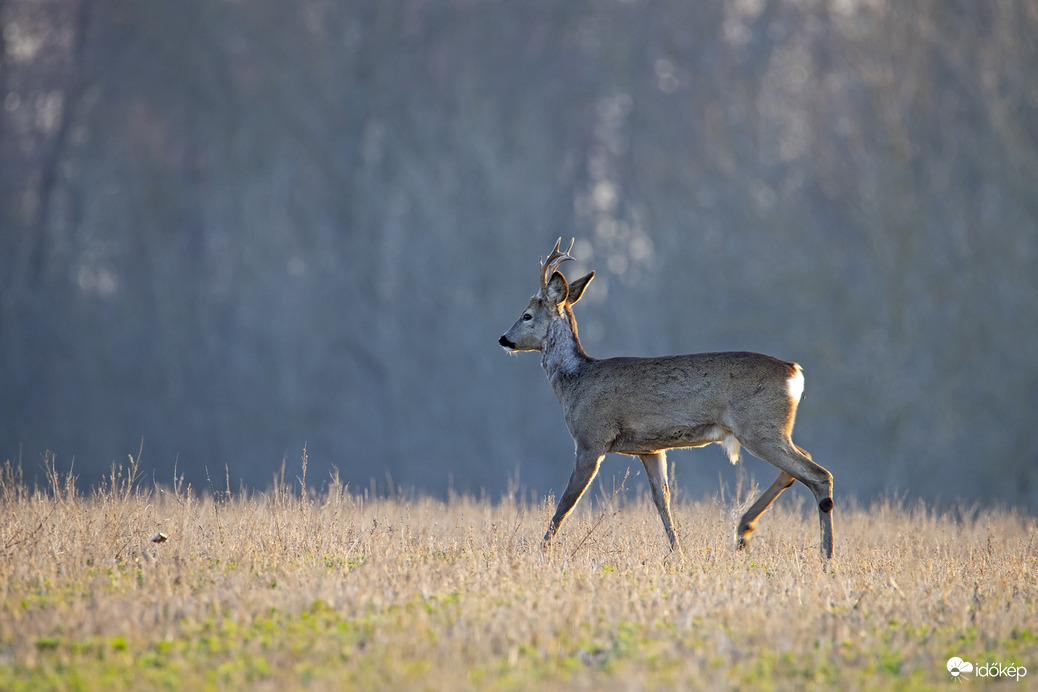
pixel 556 258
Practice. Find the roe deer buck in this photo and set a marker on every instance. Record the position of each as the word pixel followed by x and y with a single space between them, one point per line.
pixel 644 406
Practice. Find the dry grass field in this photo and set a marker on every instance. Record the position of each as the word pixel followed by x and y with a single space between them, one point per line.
pixel 287 590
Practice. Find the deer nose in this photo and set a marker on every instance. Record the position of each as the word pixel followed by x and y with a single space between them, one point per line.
pixel 506 343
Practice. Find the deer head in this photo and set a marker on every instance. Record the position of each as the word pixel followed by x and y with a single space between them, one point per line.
pixel 552 302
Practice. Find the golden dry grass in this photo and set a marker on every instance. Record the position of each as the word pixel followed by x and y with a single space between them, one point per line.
pixel 339 590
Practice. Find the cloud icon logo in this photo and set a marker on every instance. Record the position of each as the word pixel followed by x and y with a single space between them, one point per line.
pixel 956 666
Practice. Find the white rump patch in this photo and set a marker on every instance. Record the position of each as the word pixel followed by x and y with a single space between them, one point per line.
pixel 796 385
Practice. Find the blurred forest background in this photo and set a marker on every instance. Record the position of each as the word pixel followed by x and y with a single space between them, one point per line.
pixel 231 229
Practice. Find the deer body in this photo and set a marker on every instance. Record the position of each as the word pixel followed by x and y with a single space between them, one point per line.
pixel 666 403
pixel 645 406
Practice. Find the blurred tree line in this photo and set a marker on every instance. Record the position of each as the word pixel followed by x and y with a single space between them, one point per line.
pixel 232 229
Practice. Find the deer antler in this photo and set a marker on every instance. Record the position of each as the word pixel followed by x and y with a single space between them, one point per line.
pixel 556 258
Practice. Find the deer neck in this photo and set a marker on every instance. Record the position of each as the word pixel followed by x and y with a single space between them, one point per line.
pixel 562 355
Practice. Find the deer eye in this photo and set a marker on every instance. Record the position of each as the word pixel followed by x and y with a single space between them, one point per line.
pixel 527 317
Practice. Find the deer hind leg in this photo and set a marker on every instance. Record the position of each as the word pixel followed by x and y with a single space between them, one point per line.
pixel 749 518
pixel 584 470
pixel 656 470
pixel 795 462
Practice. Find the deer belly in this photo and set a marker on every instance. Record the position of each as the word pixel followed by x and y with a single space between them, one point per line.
pixel 632 441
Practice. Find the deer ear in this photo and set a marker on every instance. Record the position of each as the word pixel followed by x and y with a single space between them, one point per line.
pixel 556 291
pixel 576 289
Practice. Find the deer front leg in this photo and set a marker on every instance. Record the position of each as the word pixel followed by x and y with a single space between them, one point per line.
pixel 656 470
pixel 584 470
